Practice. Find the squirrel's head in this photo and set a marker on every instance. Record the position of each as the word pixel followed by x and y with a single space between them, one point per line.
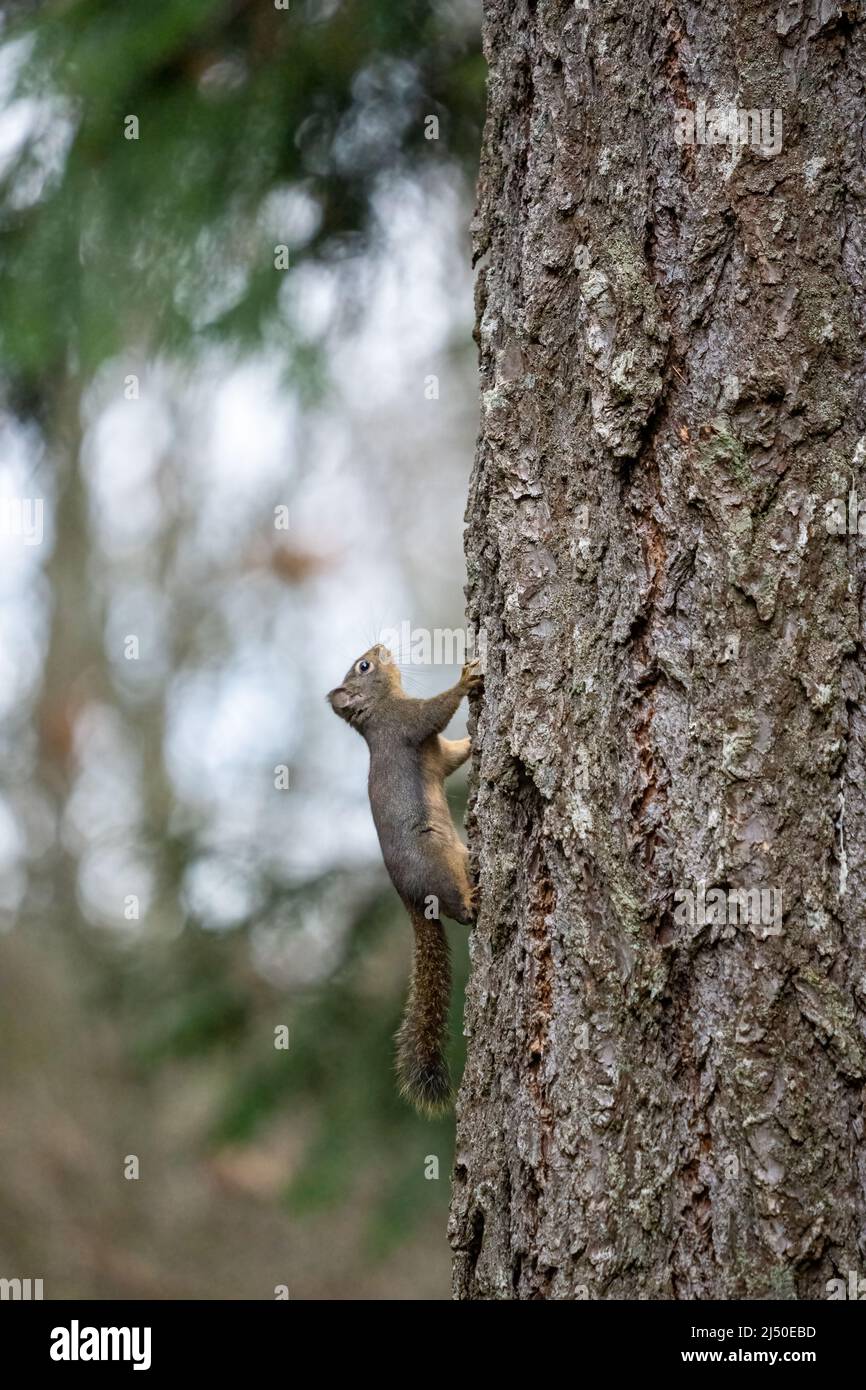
pixel 369 681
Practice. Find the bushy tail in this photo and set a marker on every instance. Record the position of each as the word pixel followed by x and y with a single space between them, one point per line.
pixel 421 1038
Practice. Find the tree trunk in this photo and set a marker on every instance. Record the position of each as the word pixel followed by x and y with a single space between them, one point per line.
pixel 662 1099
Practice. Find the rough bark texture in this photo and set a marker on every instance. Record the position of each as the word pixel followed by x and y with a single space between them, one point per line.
pixel 675 684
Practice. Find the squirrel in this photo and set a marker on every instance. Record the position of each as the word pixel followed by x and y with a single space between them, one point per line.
pixel 425 858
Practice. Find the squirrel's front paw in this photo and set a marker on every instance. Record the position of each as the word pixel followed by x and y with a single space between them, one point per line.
pixel 471 677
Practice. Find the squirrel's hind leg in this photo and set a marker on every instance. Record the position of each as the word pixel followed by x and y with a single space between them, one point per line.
pixel 454 753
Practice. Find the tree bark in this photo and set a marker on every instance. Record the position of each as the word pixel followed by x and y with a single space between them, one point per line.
pixel 672 384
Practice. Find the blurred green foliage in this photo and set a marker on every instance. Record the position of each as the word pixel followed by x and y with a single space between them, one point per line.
pixel 192 998
pixel 257 127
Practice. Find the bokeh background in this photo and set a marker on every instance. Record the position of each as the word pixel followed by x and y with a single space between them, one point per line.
pixel 171 393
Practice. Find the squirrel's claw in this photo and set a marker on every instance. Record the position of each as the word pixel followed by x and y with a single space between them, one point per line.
pixel 472 677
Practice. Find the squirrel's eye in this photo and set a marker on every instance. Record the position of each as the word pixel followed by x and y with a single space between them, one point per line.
pixel 363 666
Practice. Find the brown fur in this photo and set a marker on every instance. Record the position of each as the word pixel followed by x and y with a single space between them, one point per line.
pixel 427 861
